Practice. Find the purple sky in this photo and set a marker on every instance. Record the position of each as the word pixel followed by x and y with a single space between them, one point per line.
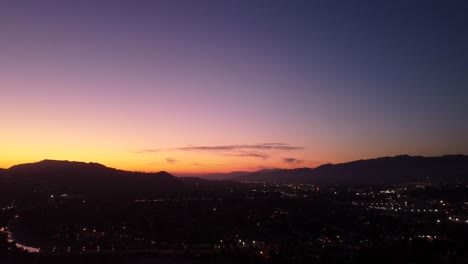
pixel 106 81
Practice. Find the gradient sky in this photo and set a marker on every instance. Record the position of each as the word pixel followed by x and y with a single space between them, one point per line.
pixel 215 86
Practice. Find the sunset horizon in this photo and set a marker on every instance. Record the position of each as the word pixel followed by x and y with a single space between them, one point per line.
pixel 233 131
pixel 255 169
pixel 157 86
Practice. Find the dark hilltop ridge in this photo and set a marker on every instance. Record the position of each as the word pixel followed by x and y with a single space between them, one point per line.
pixel 50 176
pixel 385 170
pixel 82 178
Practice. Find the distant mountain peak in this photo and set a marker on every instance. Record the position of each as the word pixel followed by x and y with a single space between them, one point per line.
pixel 397 169
pixel 59 164
pixel 53 161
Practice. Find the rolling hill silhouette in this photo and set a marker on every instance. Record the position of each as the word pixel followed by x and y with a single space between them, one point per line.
pixel 52 176
pixel 82 178
pixel 398 169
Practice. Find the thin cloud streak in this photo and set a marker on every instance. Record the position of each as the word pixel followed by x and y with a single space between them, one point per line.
pixel 171 161
pixel 292 161
pixel 263 146
pixel 253 155
pixel 229 148
pixel 142 151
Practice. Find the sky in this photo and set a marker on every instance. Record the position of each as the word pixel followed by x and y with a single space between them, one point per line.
pixel 194 87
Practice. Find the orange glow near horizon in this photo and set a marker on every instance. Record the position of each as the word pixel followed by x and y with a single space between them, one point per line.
pixel 121 141
pixel 125 142
pixel 175 162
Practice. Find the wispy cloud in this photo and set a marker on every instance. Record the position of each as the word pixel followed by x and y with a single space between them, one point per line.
pixel 292 161
pixel 142 151
pixel 247 148
pixel 261 151
pixel 171 161
pixel 260 146
pixel 250 154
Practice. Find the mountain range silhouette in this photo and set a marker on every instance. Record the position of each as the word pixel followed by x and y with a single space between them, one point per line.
pixel 385 170
pixel 49 176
